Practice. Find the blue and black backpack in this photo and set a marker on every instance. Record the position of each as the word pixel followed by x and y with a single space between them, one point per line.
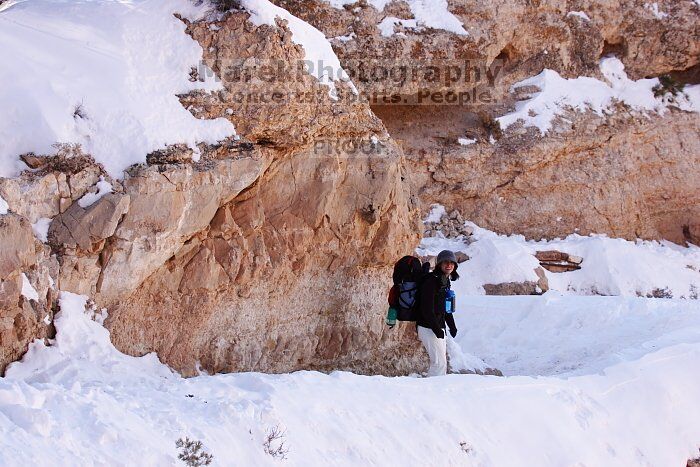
pixel 403 295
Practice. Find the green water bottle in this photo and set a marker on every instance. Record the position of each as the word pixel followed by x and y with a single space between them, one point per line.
pixel 391 317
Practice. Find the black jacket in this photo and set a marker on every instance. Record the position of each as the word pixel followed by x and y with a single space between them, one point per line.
pixel 431 310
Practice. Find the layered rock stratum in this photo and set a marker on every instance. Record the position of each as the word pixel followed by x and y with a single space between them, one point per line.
pixel 628 174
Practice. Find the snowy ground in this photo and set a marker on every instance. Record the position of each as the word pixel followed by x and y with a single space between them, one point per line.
pixel 620 387
pixel 611 266
pixel 558 335
pixel 589 381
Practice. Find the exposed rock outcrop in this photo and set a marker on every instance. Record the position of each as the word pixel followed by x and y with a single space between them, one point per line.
pixel 287 268
pixel 27 273
pixel 624 176
pixel 84 227
pixel 271 253
pixel 520 288
pixel 627 175
pixel 557 261
pixel 450 225
pixel 524 38
pixel 269 281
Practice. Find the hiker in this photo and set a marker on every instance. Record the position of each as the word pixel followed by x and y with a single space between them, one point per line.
pixel 435 310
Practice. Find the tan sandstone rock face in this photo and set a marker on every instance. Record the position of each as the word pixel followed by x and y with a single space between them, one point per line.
pixel 289 274
pixel 523 37
pixel 267 97
pixel 45 193
pixel 272 255
pixel 23 318
pixel 627 175
pixel 624 176
pixel 83 227
pixel 51 190
pixel 18 252
pixel 167 208
pixel 293 272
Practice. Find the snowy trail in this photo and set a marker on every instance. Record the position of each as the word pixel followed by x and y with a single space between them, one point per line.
pixel 570 335
pixel 81 402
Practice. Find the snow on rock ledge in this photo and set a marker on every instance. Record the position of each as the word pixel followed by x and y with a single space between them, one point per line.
pixel 90 198
pixel 433 14
pixel 557 94
pixel 612 266
pixel 115 68
pixel 322 61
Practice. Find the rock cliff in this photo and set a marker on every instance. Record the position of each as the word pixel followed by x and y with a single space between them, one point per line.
pixel 627 174
pixel 26 288
pixel 271 251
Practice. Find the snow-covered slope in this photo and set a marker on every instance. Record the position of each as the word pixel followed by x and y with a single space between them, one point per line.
pixel 560 335
pixel 81 402
pixel 102 73
pixel 611 266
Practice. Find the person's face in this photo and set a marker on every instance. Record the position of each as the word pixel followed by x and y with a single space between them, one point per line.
pixel 447 267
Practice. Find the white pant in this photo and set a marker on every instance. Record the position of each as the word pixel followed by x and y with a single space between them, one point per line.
pixel 437 351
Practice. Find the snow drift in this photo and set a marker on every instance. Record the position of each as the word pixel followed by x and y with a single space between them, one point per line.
pixel 79 401
pixel 611 266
